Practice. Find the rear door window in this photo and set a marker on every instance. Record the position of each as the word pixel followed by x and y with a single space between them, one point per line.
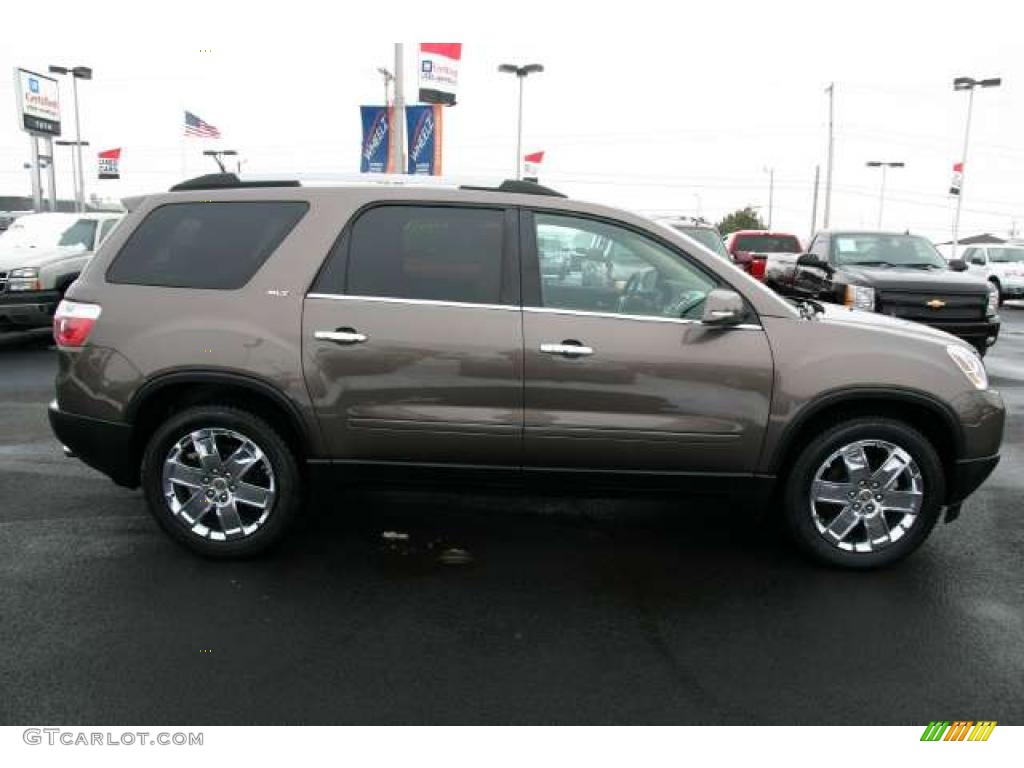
pixel 433 253
pixel 216 245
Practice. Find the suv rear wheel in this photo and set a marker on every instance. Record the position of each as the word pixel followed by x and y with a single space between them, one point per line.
pixel 865 493
pixel 221 481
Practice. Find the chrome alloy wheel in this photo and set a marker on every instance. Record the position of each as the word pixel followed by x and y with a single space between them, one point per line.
pixel 866 496
pixel 219 484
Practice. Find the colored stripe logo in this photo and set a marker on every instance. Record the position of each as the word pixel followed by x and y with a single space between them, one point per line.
pixel 959 730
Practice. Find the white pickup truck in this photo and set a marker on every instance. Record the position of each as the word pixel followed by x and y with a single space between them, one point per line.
pixel 1002 265
pixel 40 256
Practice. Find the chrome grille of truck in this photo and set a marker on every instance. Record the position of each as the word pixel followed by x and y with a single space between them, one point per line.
pixel 3 282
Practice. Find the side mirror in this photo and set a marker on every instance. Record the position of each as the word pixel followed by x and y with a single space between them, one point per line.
pixel 813 261
pixel 723 307
pixel 958 265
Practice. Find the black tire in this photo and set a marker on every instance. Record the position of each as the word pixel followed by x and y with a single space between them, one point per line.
pixel 797 508
pixel 283 509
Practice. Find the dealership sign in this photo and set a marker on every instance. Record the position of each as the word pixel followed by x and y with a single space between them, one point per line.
pixel 957 180
pixel 38 103
pixel 439 72
pixel 108 163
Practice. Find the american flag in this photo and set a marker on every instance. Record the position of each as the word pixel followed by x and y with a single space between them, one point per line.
pixel 196 126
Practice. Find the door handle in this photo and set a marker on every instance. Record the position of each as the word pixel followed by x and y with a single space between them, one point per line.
pixel 341 336
pixel 567 349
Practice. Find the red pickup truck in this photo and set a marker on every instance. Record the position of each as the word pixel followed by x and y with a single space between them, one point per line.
pixel 768 256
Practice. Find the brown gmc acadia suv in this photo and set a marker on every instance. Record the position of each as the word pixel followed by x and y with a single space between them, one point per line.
pixel 233 339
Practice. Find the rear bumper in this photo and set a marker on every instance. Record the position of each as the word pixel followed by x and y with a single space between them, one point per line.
pixel 31 308
pixel 107 446
pixel 968 475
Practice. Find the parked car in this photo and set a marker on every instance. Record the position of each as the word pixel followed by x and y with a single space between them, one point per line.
pixel 704 233
pixel 902 275
pixel 769 256
pixel 1001 265
pixel 8 217
pixel 40 256
pixel 230 343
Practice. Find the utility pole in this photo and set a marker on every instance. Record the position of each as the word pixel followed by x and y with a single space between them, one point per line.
pixel 398 115
pixel 966 84
pixel 831 151
pixel 814 205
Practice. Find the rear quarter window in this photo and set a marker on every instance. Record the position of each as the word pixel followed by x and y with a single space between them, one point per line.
pixel 217 245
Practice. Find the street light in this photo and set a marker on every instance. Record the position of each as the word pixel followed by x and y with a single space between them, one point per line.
pixel 884 165
pixel 522 73
pixel 218 156
pixel 388 77
pixel 967 84
pixel 74 166
pixel 77 73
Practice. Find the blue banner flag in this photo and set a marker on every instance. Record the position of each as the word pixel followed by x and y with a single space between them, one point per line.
pixel 424 132
pixel 376 151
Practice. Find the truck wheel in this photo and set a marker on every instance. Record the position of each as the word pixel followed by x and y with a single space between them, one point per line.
pixel 221 481
pixel 865 493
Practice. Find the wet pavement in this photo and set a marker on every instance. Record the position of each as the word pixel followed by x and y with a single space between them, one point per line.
pixel 400 607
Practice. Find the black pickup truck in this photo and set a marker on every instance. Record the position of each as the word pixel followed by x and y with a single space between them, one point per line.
pixel 902 275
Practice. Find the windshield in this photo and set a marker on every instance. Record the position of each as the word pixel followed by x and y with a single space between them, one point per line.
pixel 707 237
pixel 1005 255
pixel 767 244
pixel 873 249
pixel 49 231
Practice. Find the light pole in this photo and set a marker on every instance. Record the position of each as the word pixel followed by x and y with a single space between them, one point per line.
pixel 771 193
pixel 74 165
pixel 388 77
pixel 831 91
pixel 218 156
pixel 521 73
pixel 967 84
pixel 884 165
pixel 77 73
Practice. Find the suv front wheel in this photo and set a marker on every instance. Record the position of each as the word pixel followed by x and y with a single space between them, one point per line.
pixel 864 493
pixel 220 481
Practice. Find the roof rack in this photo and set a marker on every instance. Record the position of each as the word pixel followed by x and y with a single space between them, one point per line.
pixel 233 181
pixel 228 181
pixel 518 187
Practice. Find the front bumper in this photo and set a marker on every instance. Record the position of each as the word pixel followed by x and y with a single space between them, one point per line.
pixel 29 308
pixel 979 334
pixel 107 446
pixel 968 475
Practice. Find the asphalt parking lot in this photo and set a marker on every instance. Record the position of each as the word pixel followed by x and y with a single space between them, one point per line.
pixel 599 611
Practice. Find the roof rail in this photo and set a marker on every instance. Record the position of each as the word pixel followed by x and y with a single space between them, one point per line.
pixel 228 181
pixel 518 187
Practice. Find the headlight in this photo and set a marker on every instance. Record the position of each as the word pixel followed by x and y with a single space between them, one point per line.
pixel 969 362
pixel 993 300
pixel 860 297
pixel 26 279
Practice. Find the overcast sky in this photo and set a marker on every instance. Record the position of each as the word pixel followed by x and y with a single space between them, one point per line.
pixel 641 105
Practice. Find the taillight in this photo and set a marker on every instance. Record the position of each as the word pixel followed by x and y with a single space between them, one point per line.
pixel 73 322
pixel 757 265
